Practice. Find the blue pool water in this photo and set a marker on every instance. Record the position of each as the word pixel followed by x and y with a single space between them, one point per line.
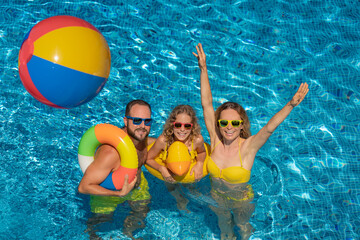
pixel 305 178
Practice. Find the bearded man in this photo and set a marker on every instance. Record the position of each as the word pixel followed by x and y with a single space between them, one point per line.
pixel 103 202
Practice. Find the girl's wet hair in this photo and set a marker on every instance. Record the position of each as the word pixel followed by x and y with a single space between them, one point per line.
pixel 168 131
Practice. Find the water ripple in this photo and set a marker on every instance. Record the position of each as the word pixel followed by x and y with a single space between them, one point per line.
pixel 258 52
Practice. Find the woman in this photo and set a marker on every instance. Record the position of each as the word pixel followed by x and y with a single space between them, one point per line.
pixel 181 126
pixel 233 153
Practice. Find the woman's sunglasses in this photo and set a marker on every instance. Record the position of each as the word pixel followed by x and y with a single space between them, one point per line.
pixel 187 126
pixel 224 123
pixel 138 121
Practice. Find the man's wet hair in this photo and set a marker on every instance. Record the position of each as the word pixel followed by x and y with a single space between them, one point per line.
pixel 134 102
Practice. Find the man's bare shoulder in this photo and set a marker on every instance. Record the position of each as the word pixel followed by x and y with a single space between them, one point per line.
pixel 106 155
pixel 106 149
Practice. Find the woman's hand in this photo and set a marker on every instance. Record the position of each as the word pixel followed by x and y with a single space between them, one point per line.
pixel 299 95
pixel 200 56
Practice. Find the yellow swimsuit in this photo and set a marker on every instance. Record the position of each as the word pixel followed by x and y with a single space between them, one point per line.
pixel 232 175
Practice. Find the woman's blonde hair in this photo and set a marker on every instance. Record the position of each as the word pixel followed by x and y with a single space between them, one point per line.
pixel 168 131
pixel 245 133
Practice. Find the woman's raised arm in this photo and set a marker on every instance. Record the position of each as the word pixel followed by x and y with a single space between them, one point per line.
pixel 206 96
pixel 258 140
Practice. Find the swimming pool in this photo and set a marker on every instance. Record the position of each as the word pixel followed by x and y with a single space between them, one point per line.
pixel 306 176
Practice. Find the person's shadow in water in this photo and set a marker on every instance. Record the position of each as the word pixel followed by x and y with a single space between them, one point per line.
pixel 127 219
pixel 198 195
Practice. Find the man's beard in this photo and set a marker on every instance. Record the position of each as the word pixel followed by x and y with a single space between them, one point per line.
pixel 132 134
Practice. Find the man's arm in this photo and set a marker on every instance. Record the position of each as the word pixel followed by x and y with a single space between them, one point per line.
pixel 106 158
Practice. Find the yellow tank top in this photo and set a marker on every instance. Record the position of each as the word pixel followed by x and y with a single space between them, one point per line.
pixel 232 175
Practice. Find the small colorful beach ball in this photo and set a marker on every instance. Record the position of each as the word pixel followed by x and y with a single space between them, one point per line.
pixel 64 61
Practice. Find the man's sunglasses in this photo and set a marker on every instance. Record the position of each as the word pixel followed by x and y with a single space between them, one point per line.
pixel 138 121
pixel 224 123
pixel 187 126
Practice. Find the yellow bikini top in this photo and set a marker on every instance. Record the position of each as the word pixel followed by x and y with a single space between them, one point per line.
pixel 232 175
pixel 164 153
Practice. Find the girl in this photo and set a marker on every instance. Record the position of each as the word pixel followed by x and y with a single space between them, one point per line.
pixel 181 126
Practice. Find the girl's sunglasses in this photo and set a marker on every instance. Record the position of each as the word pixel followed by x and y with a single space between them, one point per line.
pixel 224 123
pixel 187 126
pixel 138 121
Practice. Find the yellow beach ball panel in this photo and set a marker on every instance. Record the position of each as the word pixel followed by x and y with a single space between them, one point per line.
pixel 70 46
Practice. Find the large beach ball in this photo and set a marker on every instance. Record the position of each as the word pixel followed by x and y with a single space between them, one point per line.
pixel 64 61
